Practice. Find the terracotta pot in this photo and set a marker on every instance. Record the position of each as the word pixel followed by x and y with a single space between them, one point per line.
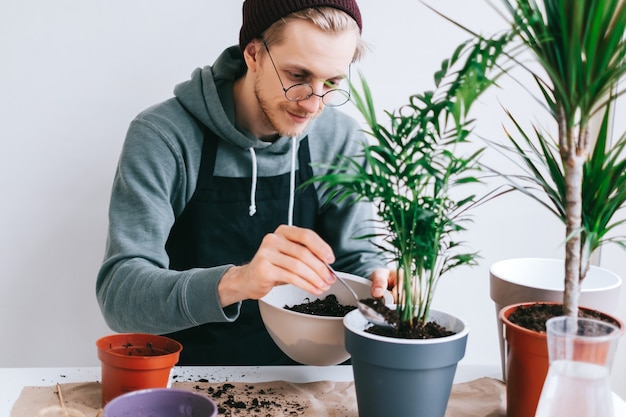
pixel 520 280
pixel 527 363
pixel 135 361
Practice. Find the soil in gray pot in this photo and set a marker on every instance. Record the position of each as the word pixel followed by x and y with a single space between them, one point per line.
pixel 429 330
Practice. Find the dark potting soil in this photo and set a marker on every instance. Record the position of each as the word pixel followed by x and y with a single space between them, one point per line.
pixel 329 307
pixel 534 316
pixel 129 349
pixel 252 402
pixel 429 330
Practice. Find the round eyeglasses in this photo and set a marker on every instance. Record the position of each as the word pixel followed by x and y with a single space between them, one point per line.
pixel 298 92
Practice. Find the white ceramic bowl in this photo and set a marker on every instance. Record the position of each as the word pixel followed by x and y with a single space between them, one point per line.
pixel 308 339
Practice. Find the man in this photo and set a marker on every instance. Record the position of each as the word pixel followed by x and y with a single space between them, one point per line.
pixel 206 212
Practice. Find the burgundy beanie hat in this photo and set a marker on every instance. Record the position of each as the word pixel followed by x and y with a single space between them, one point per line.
pixel 258 15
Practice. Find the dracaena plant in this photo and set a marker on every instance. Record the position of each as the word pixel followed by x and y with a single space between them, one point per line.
pixel 576 172
pixel 418 173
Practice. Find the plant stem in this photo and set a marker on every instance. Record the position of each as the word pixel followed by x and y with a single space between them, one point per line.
pixel 573 157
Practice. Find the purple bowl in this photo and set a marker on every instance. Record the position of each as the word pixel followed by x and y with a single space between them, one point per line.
pixel 161 402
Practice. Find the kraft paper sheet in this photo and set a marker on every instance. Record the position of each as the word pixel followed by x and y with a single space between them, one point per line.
pixel 484 397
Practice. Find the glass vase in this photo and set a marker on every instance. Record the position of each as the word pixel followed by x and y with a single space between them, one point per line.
pixel 580 351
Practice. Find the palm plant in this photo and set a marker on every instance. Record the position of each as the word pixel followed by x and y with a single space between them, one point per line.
pixel 581 48
pixel 414 173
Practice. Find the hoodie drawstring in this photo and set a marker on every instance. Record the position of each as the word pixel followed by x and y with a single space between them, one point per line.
pixel 252 208
pixel 292 182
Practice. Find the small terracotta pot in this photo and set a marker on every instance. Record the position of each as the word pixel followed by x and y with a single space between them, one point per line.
pixel 134 361
pixel 527 363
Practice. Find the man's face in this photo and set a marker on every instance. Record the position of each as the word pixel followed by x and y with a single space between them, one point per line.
pixel 306 56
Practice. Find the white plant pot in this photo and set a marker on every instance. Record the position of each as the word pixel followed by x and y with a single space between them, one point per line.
pixel 520 280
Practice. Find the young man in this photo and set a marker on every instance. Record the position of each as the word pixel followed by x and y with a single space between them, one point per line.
pixel 206 212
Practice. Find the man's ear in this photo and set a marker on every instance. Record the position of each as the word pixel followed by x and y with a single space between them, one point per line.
pixel 251 54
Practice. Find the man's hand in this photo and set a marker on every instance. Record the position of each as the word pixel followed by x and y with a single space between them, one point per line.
pixel 289 255
pixel 382 280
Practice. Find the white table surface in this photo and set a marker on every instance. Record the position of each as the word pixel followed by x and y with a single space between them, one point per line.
pixel 12 380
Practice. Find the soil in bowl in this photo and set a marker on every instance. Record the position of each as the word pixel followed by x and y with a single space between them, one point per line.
pixel 328 307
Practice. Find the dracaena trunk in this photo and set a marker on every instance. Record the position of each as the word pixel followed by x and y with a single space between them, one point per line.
pixel 574 151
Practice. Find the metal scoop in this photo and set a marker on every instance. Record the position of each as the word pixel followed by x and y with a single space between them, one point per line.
pixel 368 312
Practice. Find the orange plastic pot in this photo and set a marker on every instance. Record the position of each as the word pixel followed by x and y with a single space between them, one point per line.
pixel 134 361
pixel 527 363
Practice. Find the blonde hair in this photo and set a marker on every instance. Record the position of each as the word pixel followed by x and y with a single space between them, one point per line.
pixel 328 19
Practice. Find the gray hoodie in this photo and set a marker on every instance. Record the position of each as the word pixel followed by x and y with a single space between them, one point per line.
pixel 156 177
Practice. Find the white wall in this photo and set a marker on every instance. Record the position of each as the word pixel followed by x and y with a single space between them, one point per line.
pixel 73 73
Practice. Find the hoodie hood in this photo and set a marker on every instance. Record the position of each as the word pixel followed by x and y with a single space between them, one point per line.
pixel 208 95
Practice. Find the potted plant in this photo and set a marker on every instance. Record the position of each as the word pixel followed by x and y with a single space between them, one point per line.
pixel 417 173
pixel 520 280
pixel 581 47
pixel 580 50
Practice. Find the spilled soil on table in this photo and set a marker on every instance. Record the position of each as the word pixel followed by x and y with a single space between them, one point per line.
pixel 253 401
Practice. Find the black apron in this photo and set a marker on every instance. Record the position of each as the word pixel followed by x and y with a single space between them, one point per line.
pixel 214 229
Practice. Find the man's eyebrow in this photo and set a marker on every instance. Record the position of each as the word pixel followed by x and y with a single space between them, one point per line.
pixel 299 69
pixel 309 74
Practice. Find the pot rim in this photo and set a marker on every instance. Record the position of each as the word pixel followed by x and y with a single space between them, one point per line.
pixel 178 392
pixel 495 275
pixel 512 307
pixel 105 344
pixel 356 323
pixel 305 316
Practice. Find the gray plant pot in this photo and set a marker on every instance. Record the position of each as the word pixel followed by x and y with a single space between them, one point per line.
pixel 404 377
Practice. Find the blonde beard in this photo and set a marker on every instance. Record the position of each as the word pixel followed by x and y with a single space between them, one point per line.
pixel 274 114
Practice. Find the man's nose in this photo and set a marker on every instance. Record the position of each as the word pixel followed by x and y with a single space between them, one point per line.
pixel 311 104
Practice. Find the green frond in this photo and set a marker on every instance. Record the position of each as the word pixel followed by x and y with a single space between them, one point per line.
pixel 414 165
